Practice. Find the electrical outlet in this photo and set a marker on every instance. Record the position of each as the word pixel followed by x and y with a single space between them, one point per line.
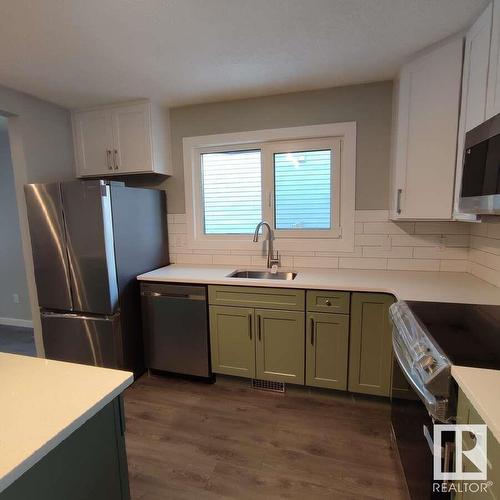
pixel 15 298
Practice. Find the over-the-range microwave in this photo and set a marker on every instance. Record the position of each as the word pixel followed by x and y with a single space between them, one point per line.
pixel 480 189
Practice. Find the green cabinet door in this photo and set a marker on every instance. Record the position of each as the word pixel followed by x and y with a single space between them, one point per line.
pixel 327 344
pixel 232 340
pixel 280 345
pixel 370 351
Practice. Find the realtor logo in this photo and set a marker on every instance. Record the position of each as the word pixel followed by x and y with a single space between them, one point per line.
pixel 470 442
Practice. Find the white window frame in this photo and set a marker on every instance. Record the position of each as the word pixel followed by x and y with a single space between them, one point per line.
pixel 268 150
pixel 339 239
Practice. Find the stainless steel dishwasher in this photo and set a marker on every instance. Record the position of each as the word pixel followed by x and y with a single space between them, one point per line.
pixel 175 328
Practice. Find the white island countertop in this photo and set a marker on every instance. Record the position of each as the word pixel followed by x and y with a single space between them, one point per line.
pixel 481 387
pixel 404 285
pixel 42 402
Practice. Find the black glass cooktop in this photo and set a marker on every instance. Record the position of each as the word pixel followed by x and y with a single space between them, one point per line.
pixel 468 334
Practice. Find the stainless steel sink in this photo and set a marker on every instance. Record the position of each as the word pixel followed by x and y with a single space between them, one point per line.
pixel 263 275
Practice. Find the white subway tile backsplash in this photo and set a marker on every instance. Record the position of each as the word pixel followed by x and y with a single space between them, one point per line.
pixel 417 240
pixel 413 265
pixel 379 244
pixel 326 262
pixel 395 252
pixel 459 266
pixel 388 227
pixel 494 228
pixel 362 263
pixel 180 218
pixel 485 273
pixel 485 259
pixel 442 228
pixel 371 215
pixel 485 244
pixel 454 253
pixel 177 228
pixel 370 240
pixel 189 258
pixel 232 260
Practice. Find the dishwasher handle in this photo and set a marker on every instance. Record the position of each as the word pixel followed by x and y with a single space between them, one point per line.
pixel 189 296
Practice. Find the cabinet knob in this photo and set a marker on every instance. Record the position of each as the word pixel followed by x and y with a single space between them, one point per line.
pixel 327 302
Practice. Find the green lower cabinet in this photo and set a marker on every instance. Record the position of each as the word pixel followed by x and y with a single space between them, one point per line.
pixel 280 346
pixel 232 340
pixel 327 345
pixel 91 463
pixel 370 350
pixel 467 414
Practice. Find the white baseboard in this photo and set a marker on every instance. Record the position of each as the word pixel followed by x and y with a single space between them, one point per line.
pixel 26 323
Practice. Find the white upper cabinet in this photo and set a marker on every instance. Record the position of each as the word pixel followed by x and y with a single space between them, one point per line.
pixel 424 135
pixel 93 136
pixel 121 139
pixel 475 74
pixel 474 92
pixel 493 95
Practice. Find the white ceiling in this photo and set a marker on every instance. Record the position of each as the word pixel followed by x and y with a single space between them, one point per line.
pixel 86 52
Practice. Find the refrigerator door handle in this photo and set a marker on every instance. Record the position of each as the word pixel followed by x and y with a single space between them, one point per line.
pixel 46 314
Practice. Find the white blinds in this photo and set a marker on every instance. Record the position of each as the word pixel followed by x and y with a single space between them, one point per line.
pixel 232 194
pixel 302 184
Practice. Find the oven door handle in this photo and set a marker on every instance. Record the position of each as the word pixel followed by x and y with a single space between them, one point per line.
pixel 428 399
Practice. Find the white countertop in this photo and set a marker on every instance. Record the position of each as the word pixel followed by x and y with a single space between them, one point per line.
pixel 482 389
pixel 42 402
pixel 404 285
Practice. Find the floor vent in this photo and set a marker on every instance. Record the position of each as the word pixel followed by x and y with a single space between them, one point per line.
pixel 268 385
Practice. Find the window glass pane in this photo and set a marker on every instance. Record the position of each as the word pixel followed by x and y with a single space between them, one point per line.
pixel 303 189
pixel 231 184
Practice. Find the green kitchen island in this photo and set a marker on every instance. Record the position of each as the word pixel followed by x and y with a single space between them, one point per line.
pixel 61 431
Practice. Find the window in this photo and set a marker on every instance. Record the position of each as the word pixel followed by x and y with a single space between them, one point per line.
pixel 231 189
pixel 302 187
pixel 233 181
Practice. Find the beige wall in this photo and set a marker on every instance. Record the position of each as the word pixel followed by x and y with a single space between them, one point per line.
pixel 369 105
pixel 13 276
pixel 42 150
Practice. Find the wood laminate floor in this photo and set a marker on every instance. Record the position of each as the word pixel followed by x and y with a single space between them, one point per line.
pixel 17 340
pixel 190 440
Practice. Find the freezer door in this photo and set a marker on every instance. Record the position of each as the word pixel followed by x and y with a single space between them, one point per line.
pixel 88 340
pixel 48 242
pixel 89 233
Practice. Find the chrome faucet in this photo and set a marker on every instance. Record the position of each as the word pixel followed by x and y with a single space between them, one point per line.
pixel 272 260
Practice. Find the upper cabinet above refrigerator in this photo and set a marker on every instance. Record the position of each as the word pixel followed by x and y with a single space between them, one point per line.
pixel 424 133
pixel 493 93
pixel 130 138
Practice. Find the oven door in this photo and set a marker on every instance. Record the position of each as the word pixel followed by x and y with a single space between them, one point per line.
pixel 412 429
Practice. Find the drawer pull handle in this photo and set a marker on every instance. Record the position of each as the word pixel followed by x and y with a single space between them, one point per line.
pixel 312 331
pixel 327 302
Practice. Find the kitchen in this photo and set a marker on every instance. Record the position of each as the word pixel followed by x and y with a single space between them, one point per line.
pixel 221 267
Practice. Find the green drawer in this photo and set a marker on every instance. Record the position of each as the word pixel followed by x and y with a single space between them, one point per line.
pixel 326 301
pixel 267 298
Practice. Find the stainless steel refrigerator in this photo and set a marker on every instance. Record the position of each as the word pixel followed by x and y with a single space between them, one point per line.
pixel 90 240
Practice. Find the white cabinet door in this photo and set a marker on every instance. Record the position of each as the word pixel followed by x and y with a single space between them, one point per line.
pixel 132 138
pixel 493 97
pixel 424 142
pixel 476 61
pixel 93 136
pixel 474 89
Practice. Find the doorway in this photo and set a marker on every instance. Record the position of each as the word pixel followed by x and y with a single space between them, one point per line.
pixel 16 327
